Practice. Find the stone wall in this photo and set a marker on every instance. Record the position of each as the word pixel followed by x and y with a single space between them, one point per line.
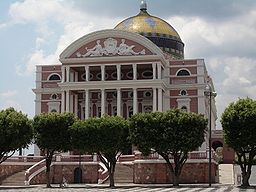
pixel 155 171
pixel 7 170
pixel 58 171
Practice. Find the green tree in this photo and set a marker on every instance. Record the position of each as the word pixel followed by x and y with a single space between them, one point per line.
pixel 172 133
pixel 52 134
pixel 239 124
pixel 15 132
pixel 107 136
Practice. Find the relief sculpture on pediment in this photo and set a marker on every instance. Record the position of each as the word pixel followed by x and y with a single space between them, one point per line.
pixel 110 48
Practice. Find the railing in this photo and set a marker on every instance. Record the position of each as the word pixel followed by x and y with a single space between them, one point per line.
pixel 34 170
pixel 24 159
pixel 125 158
pixel 191 155
pixel 103 173
pixel 75 158
pixel 183 81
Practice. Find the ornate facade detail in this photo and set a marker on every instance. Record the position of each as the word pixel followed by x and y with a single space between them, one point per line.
pixel 110 47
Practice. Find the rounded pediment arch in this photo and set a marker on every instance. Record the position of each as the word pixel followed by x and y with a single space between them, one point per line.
pixel 126 43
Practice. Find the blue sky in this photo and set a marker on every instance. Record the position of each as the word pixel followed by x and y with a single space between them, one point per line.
pixel 36 31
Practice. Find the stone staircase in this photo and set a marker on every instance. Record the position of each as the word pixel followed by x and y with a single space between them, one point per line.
pixel 123 173
pixel 16 179
pixel 226 174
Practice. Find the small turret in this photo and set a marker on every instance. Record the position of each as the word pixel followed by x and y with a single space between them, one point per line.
pixel 143 5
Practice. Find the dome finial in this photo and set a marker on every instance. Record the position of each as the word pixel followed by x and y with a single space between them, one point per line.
pixel 143 5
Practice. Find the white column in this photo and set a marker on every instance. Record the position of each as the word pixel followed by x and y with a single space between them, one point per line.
pixel 159 71
pixel 102 102
pixel 82 111
pixel 154 70
pixel 102 72
pixel 67 101
pixel 134 66
pixel 68 73
pixel 76 104
pixel 135 101
pixel 71 103
pixel 87 104
pixel 87 73
pixel 154 100
pixel 62 101
pixel 118 102
pixel 118 71
pixel 160 99
pixel 63 74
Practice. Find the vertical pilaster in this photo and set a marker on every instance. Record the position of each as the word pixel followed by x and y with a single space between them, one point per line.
pixel 68 73
pixel 103 100
pixel 87 73
pixel 154 100
pixel 67 101
pixel 102 72
pixel 135 101
pixel 159 71
pixel 63 69
pixel 134 66
pixel 76 105
pixel 154 70
pixel 118 102
pixel 87 104
pixel 118 71
pixel 160 99
pixel 62 101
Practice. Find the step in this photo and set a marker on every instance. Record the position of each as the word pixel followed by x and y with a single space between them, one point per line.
pixel 16 179
pixel 123 174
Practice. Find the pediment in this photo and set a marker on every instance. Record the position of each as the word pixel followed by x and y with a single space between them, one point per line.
pixel 110 43
pixel 110 47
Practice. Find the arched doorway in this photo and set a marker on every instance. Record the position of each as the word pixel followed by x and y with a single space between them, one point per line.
pixel 78 174
pixel 218 148
pixel 216 144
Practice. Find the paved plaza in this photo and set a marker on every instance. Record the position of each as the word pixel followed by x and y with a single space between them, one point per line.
pixel 77 188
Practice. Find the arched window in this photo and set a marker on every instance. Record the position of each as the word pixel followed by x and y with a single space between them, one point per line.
pixel 184 108
pixel 54 96
pixel 183 72
pixel 53 110
pixel 183 93
pixel 54 77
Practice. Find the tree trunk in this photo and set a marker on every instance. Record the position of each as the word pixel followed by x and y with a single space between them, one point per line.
pixel 111 174
pixel 48 183
pixel 48 168
pixel 245 178
pixel 111 180
pixel 176 181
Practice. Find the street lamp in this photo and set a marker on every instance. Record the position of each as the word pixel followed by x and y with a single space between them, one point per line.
pixel 209 93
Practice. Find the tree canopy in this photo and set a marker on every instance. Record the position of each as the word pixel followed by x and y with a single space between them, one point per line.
pixel 239 125
pixel 168 133
pixel 107 136
pixel 15 132
pixel 52 133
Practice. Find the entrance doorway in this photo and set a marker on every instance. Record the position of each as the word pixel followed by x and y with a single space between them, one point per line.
pixel 78 175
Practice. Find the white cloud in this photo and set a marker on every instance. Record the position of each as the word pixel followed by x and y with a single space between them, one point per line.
pixel 7 100
pixel 43 14
pixel 9 93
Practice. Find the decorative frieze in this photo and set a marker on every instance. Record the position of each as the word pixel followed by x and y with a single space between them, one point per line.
pixel 110 47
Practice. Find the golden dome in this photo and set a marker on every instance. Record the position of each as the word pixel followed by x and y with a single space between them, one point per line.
pixel 155 29
pixel 145 23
